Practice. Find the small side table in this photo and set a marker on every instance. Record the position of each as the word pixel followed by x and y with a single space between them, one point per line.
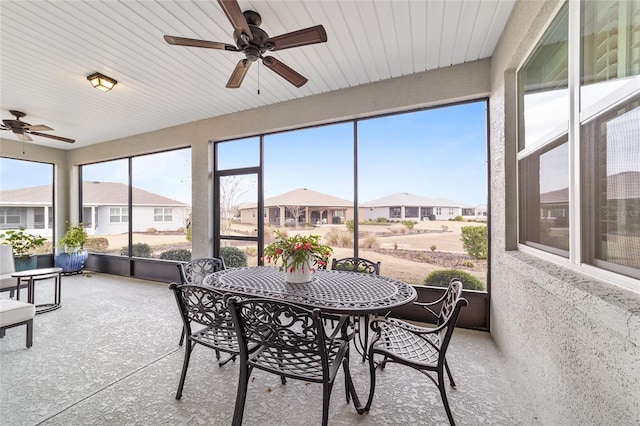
pixel 33 275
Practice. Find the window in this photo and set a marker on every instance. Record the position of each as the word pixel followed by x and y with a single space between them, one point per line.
pixel 118 215
pixel 9 216
pixel 395 212
pixel 162 214
pixel 452 212
pixel 593 221
pixel 411 212
pixel 438 211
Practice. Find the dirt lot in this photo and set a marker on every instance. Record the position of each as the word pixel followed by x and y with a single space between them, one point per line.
pixel 405 256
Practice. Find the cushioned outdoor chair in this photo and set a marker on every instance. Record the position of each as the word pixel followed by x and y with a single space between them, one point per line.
pixel 194 272
pixel 204 308
pixel 7 267
pixel 422 348
pixel 358 264
pixel 290 341
pixel 14 313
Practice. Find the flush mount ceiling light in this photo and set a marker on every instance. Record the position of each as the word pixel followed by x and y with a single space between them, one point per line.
pixel 101 82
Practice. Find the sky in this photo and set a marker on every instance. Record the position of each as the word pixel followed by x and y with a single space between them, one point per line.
pixel 437 153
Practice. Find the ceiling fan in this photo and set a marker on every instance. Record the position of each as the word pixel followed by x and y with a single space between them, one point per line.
pixel 23 130
pixel 254 42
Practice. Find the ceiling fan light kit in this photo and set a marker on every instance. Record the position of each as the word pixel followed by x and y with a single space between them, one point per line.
pixel 254 42
pixel 101 82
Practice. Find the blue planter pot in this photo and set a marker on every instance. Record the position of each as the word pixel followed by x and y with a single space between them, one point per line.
pixel 71 263
pixel 26 263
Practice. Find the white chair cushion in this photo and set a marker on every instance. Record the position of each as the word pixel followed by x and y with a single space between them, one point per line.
pixel 7 281
pixel 13 312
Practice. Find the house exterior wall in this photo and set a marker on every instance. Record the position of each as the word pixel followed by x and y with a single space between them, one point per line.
pixel 573 339
pixel 143 219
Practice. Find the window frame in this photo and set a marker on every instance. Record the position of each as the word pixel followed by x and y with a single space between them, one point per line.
pixel 577 119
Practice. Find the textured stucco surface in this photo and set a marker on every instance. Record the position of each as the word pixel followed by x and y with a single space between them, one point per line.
pixel 574 340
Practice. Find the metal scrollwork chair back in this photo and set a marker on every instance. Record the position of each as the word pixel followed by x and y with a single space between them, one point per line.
pixel 289 341
pixel 358 264
pixel 193 272
pixel 206 309
pixel 421 348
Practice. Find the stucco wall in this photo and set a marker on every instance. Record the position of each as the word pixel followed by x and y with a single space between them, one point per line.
pixel 573 340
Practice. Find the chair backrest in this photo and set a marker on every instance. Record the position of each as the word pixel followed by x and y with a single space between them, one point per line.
pixel 356 264
pixel 452 302
pixel 194 272
pixel 290 332
pixel 7 265
pixel 201 305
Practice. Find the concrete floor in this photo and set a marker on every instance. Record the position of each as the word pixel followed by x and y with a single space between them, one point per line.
pixel 110 356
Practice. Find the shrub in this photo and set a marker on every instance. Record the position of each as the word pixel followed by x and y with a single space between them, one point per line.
pixel 474 241
pixel 382 220
pixel 409 224
pixel 182 255
pixel 97 244
pixel 458 218
pixel 233 257
pixel 371 242
pixel 350 226
pixel 346 239
pixel 337 238
pixel 442 278
pixel 139 250
pixel 251 251
pixel 189 235
pixel 433 247
pixel 468 264
pixel 152 231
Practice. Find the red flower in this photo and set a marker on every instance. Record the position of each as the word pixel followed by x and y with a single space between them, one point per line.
pixel 292 269
pixel 307 246
pixel 262 259
pixel 298 246
pixel 279 251
pixel 321 262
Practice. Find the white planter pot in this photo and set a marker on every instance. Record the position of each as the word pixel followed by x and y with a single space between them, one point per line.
pixel 298 276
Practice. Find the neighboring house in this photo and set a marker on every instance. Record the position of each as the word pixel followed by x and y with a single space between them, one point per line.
pixel 406 206
pixel 300 206
pixel 104 205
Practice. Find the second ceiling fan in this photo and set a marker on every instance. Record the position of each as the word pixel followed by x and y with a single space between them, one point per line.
pixel 254 42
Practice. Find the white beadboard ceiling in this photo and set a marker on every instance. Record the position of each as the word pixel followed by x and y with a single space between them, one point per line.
pixel 48 48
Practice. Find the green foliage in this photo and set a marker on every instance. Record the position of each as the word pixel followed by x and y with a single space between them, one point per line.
pixel 350 225
pixel 233 257
pixel 189 235
pixel 474 241
pixel 458 218
pixel 22 242
pixel 74 239
pixel 442 278
pixel 409 224
pixel 182 255
pixel 139 250
pixel 382 220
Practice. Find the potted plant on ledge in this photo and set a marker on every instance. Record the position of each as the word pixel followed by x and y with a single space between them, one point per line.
pixel 299 255
pixel 23 245
pixel 72 256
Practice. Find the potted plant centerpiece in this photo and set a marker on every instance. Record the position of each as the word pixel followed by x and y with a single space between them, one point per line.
pixel 72 256
pixel 23 245
pixel 299 256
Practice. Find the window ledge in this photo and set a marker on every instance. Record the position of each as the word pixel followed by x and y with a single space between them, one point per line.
pixel 612 306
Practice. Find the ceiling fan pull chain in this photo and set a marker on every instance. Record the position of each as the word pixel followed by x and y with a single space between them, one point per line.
pixel 258 78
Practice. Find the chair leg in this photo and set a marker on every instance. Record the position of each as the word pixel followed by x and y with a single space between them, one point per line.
pixel 451 382
pixel 366 337
pixel 2 333
pixel 347 377
pixel 243 382
pixel 443 394
pixel 181 338
pixel 29 333
pixel 372 382
pixel 187 355
pixel 326 398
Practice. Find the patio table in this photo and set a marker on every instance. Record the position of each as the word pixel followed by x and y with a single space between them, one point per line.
pixel 33 275
pixel 338 292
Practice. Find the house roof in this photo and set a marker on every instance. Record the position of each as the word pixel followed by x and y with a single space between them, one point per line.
pixel 302 197
pixel 407 199
pixel 621 186
pixel 93 193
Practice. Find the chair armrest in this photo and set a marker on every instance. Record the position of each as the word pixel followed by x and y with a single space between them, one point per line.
pixel 343 322
pixel 376 326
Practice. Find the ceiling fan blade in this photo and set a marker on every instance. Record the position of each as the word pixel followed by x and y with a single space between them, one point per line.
pixel 58 138
pixel 231 8
pixel 284 71
pixel 24 137
pixel 304 37
pixel 40 127
pixel 238 74
pixel 181 41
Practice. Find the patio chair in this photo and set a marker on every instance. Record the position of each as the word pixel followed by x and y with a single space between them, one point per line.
pixel 422 348
pixel 358 264
pixel 7 267
pixel 291 342
pixel 194 272
pixel 206 308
